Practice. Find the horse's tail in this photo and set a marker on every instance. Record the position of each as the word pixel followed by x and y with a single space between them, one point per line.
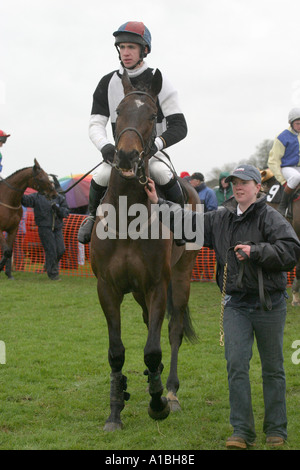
pixel 173 312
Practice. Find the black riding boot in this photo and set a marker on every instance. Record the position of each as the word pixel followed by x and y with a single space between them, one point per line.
pixel 96 194
pixel 286 195
pixel 173 192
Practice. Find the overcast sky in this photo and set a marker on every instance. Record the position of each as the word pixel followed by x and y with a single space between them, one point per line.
pixel 235 64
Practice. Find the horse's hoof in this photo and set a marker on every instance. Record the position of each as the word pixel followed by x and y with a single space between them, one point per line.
pixel 110 427
pixel 295 304
pixel 160 414
pixel 173 402
pixel 174 405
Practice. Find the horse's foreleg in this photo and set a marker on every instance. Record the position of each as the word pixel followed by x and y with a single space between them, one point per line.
pixel 110 303
pixel 8 268
pixel 179 321
pixel 296 287
pixel 158 407
pixel 6 245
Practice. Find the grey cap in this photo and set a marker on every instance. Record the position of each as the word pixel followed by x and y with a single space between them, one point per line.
pixel 245 172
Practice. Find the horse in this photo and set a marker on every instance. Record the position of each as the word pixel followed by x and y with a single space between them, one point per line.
pixel 273 189
pixel 155 270
pixel 12 189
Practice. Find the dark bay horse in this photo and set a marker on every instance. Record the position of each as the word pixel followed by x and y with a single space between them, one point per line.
pixel 144 266
pixel 273 189
pixel 12 189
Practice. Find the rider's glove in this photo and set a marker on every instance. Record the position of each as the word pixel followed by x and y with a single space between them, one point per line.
pixel 108 153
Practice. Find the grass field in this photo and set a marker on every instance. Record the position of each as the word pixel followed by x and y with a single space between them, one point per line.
pixel 54 386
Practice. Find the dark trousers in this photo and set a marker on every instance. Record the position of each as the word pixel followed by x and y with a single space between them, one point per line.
pixel 54 247
pixel 240 326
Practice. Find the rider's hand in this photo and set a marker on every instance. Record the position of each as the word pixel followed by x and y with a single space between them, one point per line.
pixel 108 153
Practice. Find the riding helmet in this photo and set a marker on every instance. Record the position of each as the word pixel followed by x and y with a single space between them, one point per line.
pixel 293 115
pixel 3 136
pixel 133 31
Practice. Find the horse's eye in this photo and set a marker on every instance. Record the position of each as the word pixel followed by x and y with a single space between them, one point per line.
pixel 153 117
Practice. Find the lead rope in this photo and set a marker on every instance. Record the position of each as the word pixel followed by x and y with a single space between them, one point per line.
pixel 223 304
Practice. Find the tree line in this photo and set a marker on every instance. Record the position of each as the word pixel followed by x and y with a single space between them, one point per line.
pixel 258 159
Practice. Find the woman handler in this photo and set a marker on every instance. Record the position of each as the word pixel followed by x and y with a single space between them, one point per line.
pixel 258 245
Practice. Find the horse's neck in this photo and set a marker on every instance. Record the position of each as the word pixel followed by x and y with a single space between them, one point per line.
pixel 21 179
pixel 273 181
pixel 123 194
pixel 16 185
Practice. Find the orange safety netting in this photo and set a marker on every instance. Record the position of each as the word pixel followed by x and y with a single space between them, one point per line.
pixel 28 253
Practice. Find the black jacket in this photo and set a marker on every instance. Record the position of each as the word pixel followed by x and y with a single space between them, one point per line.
pixel 275 246
pixel 45 215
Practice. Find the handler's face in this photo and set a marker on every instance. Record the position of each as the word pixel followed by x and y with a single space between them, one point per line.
pixel 245 192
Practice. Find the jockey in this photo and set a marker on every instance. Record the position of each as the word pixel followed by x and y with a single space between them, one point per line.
pixel 284 158
pixel 3 139
pixel 133 43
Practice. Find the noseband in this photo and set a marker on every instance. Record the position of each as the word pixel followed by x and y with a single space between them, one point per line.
pixel 146 146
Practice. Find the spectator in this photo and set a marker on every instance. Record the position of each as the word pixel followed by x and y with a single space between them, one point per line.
pixel 49 215
pixel 224 190
pixel 3 139
pixel 207 195
pixel 184 174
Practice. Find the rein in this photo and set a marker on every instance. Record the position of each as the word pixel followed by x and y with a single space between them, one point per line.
pixel 10 207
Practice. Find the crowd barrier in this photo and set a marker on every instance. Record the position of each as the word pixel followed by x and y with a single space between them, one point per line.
pixel 28 253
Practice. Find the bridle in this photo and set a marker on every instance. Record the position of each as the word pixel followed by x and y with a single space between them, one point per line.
pixel 146 146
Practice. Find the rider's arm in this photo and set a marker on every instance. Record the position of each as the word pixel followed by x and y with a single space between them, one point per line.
pixel 274 161
pixel 175 124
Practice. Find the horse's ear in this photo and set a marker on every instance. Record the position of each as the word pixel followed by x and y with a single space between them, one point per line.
pixel 156 82
pixel 263 173
pixel 36 165
pixel 126 82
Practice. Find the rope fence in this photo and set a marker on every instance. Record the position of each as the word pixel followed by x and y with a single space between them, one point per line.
pixel 28 253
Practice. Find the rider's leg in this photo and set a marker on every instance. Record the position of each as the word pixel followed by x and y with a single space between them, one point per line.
pixel 98 188
pixel 165 179
pixel 292 176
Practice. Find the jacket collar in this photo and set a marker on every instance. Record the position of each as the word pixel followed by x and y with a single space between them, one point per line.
pixel 231 204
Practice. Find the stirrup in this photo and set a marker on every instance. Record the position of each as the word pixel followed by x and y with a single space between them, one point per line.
pixel 85 230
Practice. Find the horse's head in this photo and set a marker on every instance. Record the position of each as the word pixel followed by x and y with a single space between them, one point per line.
pixel 136 125
pixel 41 181
pixel 267 180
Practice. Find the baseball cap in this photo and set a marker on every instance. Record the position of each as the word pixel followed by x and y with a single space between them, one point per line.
pixel 245 172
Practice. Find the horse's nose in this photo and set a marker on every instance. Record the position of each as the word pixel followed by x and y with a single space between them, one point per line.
pixel 126 160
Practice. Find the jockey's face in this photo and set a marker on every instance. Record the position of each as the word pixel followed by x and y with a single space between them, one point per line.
pixel 296 125
pixel 130 54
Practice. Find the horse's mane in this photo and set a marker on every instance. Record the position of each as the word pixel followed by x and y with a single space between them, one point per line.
pixel 17 171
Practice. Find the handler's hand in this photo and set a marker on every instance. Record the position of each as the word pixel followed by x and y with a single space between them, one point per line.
pixel 245 248
pixel 151 191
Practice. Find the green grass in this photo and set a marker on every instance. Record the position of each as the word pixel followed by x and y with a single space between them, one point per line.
pixel 54 387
